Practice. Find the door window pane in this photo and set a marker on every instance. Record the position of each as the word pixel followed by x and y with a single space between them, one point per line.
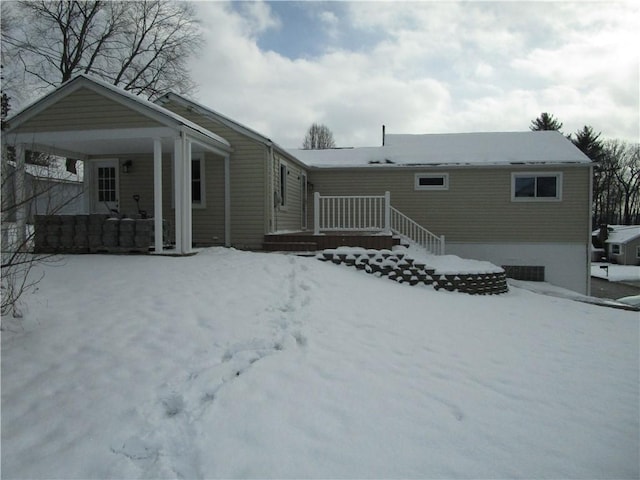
pixel 107 184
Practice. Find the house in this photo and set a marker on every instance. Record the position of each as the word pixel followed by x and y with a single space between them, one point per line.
pixel 622 244
pixel 49 189
pixel 521 200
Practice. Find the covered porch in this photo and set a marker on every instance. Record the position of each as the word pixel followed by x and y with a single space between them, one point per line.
pixel 113 134
pixel 106 157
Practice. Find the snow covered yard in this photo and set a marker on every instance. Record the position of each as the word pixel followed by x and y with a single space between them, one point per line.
pixel 236 364
pixel 615 273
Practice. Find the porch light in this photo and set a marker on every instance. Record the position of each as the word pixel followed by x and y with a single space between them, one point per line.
pixel 127 166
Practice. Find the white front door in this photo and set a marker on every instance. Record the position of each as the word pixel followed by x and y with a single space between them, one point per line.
pixel 106 184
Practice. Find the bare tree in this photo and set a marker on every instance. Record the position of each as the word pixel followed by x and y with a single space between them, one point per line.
pixel 41 195
pixel 38 196
pixel 141 46
pixel 627 175
pixel 318 137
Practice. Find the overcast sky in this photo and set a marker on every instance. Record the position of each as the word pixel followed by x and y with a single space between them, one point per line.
pixel 420 67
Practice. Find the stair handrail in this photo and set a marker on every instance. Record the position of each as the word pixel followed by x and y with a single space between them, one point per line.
pixel 407 227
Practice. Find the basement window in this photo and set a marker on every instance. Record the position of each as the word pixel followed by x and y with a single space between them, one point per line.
pixel 431 181
pixel 536 187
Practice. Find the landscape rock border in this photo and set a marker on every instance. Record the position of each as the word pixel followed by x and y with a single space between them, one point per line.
pixel 398 266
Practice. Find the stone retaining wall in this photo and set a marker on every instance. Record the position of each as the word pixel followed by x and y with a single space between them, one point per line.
pixel 400 268
pixel 94 233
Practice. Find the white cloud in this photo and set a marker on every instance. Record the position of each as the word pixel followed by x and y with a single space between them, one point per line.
pixel 257 17
pixel 330 22
pixel 436 67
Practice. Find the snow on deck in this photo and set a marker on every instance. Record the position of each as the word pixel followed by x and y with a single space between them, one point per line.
pixel 235 364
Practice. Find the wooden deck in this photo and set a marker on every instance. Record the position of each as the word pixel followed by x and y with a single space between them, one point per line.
pixel 308 242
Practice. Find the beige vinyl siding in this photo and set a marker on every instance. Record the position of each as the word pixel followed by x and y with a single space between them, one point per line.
pixel 288 216
pixel 477 207
pixel 208 223
pixel 85 109
pixel 248 169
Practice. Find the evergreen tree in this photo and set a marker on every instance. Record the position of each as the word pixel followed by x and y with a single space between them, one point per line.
pixel 545 121
pixel 589 143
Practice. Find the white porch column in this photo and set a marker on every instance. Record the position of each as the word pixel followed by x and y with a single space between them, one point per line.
pixel 87 190
pixel 178 182
pixel 186 198
pixel 227 202
pixel 316 213
pixel 157 194
pixel 20 197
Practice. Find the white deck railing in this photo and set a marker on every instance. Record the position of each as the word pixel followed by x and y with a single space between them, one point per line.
pixel 370 213
pixel 351 213
pixel 403 225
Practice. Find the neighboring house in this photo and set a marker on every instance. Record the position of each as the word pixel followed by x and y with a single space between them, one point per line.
pixel 623 244
pixel 518 199
pixel 48 190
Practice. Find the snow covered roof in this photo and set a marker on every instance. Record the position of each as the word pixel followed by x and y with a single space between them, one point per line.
pixel 622 233
pixel 461 149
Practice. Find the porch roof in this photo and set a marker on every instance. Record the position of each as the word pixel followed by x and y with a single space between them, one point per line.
pixel 228 122
pixel 92 141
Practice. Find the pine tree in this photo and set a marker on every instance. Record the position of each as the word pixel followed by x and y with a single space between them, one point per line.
pixel 545 121
pixel 589 142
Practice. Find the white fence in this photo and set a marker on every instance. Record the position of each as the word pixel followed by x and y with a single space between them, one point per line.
pixel 370 213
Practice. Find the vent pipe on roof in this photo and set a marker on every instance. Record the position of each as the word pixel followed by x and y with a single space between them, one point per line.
pixel 383 128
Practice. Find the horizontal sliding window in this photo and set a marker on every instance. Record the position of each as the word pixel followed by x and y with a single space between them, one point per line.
pixel 431 181
pixel 536 186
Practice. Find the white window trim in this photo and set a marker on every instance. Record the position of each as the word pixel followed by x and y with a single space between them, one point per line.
pixel 638 251
pixel 203 184
pixel 444 186
pixel 282 187
pixel 618 247
pixel 557 198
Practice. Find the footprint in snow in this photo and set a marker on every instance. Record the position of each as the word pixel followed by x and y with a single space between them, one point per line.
pixel 173 404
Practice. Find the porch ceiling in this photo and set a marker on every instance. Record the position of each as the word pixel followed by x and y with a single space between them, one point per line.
pixel 83 144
